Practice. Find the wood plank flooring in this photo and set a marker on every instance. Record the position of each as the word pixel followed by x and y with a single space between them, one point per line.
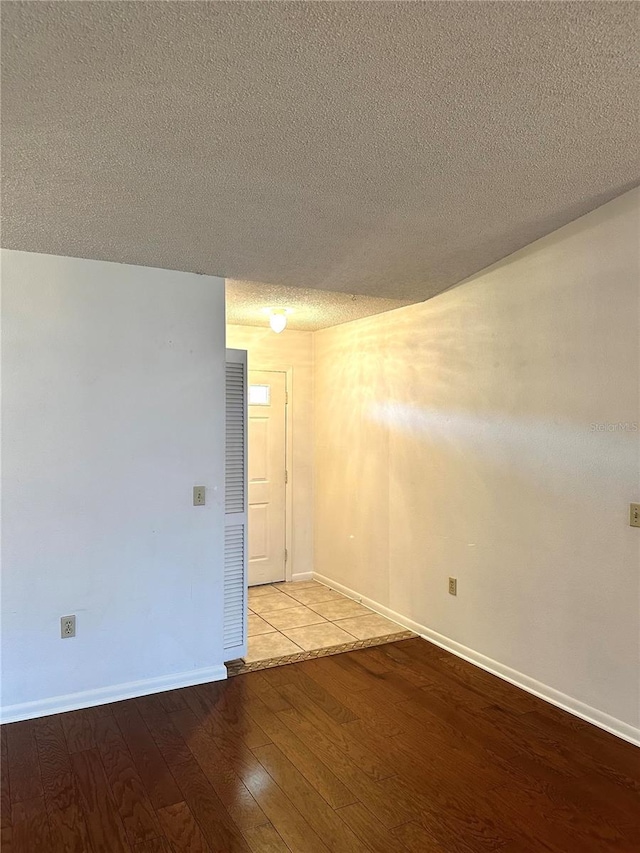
pixel 400 747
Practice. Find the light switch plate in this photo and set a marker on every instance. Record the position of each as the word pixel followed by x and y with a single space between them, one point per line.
pixel 198 495
pixel 453 586
pixel 634 515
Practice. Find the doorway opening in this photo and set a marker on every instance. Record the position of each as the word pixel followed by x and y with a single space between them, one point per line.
pixel 288 616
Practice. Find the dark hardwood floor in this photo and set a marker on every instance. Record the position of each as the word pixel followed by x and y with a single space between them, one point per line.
pixel 402 747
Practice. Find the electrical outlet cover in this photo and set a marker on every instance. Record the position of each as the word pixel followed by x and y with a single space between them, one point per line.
pixel 67 627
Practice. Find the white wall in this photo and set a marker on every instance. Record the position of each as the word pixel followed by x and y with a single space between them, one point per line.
pixel 456 437
pixel 291 350
pixel 112 410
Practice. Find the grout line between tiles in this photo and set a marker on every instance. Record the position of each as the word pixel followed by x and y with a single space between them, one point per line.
pixel 295 603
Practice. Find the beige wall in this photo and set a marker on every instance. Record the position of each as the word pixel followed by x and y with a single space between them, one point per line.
pixel 290 350
pixel 461 437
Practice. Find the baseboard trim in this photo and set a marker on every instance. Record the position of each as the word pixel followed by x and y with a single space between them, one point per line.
pixel 518 679
pixel 114 693
pixel 302 576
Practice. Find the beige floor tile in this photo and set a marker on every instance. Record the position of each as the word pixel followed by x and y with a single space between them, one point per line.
pixel 269 603
pixel 256 592
pixel 313 595
pixel 293 617
pixel 296 585
pixel 366 627
pixel 318 636
pixel 340 608
pixel 270 646
pixel 257 625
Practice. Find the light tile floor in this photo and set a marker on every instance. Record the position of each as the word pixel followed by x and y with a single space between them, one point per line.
pixel 291 618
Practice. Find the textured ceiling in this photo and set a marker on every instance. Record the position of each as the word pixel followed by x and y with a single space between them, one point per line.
pixel 387 149
pixel 310 309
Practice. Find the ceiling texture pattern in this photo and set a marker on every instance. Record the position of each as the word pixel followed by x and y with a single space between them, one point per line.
pixel 381 149
pixel 310 309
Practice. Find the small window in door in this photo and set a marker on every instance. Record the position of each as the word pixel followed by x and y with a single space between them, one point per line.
pixel 259 395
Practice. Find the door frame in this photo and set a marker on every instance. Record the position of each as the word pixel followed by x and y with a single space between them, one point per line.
pixel 271 367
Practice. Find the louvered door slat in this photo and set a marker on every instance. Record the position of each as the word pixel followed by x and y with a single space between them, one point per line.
pixel 234 595
pixel 235 539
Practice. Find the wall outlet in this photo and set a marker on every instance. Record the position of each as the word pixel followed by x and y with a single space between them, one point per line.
pixel 67 626
pixel 634 515
pixel 453 586
pixel 198 495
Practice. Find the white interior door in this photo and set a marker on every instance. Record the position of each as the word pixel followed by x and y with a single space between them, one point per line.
pixel 267 473
pixel 235 507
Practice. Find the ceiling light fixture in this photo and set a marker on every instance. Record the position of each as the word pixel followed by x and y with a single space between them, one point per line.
pixel 277 318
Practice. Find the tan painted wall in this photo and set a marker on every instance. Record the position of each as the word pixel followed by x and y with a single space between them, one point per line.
pixel 290 349
pixel 469 436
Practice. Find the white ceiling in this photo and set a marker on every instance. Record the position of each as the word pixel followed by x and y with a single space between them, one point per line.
pixel 308 309
pixel 384 149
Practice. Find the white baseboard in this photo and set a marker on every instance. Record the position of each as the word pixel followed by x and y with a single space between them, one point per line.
pixel 302 576
pixel 531 685
pixel 129 690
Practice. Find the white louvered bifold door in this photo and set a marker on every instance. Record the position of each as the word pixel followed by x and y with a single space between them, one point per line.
pixel 235 534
